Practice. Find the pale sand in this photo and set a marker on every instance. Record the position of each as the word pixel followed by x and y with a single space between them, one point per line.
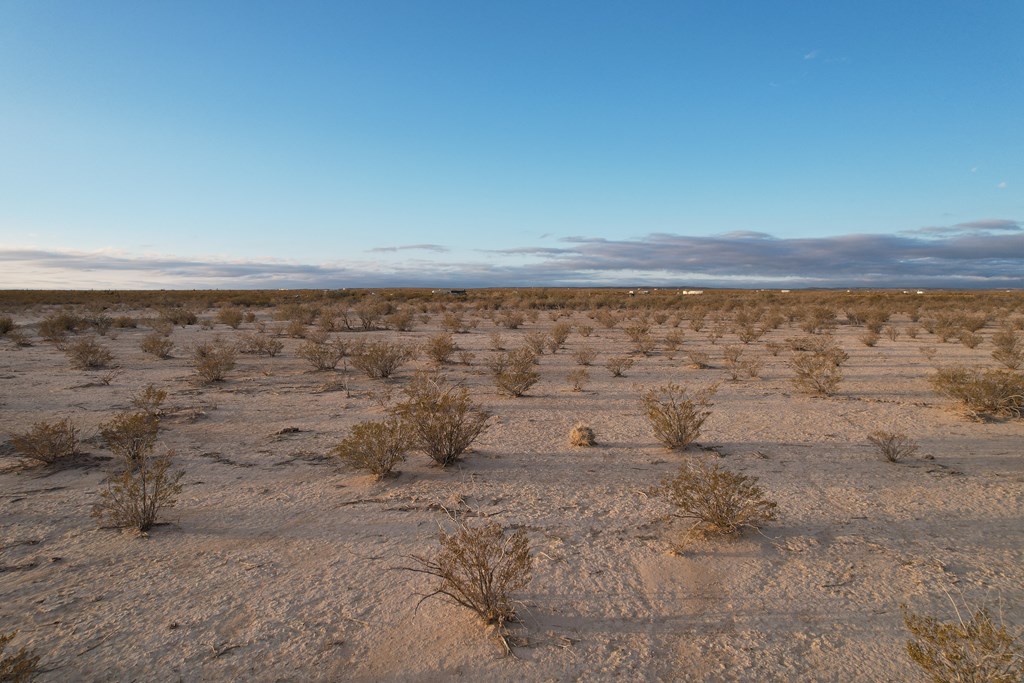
pixel 279 564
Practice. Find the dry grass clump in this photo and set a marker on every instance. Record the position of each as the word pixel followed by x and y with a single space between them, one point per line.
pixel 321 352
pixel 722 502
pixel 893 446
pixel 134 499
pixel 977 649
pixel 87 354
pixel 213 360
pixel 17 667
pixel 440 418
pixel 617 365
pixel 982 393
pixel 47 443
pixel 157 345
pixel 582 436
pixel 676 415
pixel 374 446
pixel 380 359
pixel 480 568
pixel 131 435
pixel 514 371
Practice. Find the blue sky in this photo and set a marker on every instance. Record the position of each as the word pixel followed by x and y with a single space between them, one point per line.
pixel 247 144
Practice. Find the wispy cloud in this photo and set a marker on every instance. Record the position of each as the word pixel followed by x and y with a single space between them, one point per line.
pixel 982 253
pixel 813 54
pixel 436 248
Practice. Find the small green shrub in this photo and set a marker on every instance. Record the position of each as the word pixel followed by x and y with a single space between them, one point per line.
pixel 48 443
pixel 676 415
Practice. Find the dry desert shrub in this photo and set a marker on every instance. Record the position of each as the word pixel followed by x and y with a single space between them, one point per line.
pixel 982 393
pixel 47 443
pixel 893 446
pixel 87 354
pixel 584 355
pixel 150 400
pixel 213 360
pixel 6 324
pixel 584 330
pixel 440 418
pixel 322 353
pixel 480 568
pixel 401 321
pixel 230 316
pixel 721 501
pixel 977 649
pixel 673 340
pixel 970 339
pixel 699 360
pixel 380 359
pixel 511 320
pixel 440 348
pixel 617 365
pixel 578 378
pixel 497 341
pixel 1009 349
pixel 374 446
pixel 181 317
pixel 155 344
pixel 582 436
pixel 817 372
pixel 536 342
pixel 514 371
pixel 16 667
pixel 558 334
pixel 131 435
pixel 134 499
pixel 870 338
pixel 55 327
pixel 892 332
pixel 675 414
pixel 259 344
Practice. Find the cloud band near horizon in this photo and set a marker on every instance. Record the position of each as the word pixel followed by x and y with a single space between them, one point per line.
pixel 979 254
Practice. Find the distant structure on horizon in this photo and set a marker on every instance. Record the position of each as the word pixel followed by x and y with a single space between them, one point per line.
pixel 451 292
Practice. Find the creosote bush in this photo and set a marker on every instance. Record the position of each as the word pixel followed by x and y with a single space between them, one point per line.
pixel 676 415
pixel 479 568
pixel 260 344
pixel 978 649
pixel 157 345
pixel 17 667
pixel 134 499
pixel 322 353
pixel 514 371
pixel 6 324
pixel 375 446
pixel 87 354
pixel 213 360
pixel 1009 349
pixel 982 393
pixel 617 365
pixel 440 348
pixel 47 443
pixel 578 378
pixel 440 418
pixel 131 435
pixel 582 436
pixel 380 359
pixel 721 501
pixel 893 446
pixel 816 373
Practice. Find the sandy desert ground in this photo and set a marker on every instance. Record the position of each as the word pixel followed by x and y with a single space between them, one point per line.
pixel 280 564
